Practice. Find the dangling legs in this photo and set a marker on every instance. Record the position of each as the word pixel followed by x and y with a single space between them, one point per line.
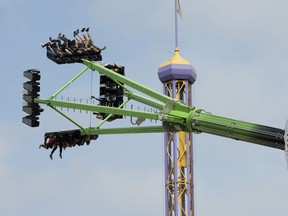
pixel 60 150
pixel 53 150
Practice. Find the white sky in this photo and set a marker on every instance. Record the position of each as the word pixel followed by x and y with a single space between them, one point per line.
pixel 239 49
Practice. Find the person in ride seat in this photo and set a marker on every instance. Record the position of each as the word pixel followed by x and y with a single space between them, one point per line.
pixel 80 39
pixel 50 51
pixel 63 38
pixel 66 49
pixel 58 41
pixel 53 141
pixel 69 46
pixel 89 43
pixel 57 49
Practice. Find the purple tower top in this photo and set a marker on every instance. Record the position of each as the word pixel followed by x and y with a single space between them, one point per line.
pixel 177 68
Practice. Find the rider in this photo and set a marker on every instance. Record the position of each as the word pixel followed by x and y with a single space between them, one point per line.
pixel 53 141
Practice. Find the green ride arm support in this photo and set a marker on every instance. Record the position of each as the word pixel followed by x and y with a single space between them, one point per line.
pixel 70 119
pixel 141 99
pixel 69 83
pixel 124 130
pixel 196 121
pixel 96 108
pixel 141 88
pixel 238 130
pixel 175 115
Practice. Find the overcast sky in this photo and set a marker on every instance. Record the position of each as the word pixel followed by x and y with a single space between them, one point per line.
pixel 239 49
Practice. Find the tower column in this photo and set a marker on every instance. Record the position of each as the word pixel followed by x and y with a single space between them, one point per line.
pixel 177 76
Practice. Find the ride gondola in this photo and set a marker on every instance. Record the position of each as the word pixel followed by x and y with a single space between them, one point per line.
pixel 74 58
pixel 65 51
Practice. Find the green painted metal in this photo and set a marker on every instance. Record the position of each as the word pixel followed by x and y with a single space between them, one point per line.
pixel 236 129
pixel 109 116
pixel 123 130
pixel 68 118
pixel 135 85
pixel 175 115
pixel 147 101
pixel 101 109
pixel 67 84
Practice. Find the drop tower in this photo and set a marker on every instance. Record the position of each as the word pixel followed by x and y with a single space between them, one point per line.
pixel 177 76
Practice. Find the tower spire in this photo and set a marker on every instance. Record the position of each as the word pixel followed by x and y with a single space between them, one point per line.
pixel 177 11
pixel 176 25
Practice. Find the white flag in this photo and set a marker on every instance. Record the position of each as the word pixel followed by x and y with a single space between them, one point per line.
pixel 178 8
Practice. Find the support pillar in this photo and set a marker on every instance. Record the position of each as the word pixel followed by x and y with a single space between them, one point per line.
pixel 177 76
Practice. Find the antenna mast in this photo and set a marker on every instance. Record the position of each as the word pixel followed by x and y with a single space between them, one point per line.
pixel 177 5
pixel 179 11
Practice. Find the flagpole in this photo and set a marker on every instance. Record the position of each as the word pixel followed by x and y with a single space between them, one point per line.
pixel 176 25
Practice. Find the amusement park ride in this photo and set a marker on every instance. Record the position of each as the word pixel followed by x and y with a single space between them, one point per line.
pixel 174 109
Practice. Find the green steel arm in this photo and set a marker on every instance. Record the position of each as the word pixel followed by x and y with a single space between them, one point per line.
pixel 239 130
pixel 195 121
pixel 109 116
pixel 124 130
pixel 67 84
pixel 135 85
pixel 198 121
pixel 141 99
pixel 101 109
pixel 175 115
pixel 65 116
